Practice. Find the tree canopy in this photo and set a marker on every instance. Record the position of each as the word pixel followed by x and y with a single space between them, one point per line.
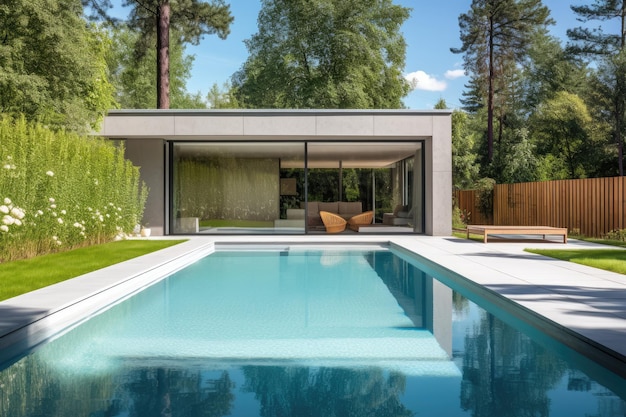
pixel 325 54
pixel 52 65
pixel 154 19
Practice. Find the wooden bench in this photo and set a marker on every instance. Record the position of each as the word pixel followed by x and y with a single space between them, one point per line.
pixel 516 230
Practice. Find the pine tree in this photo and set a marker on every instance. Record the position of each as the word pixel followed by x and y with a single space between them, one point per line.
pixel 154 19
pixel 496 37
pixel 611 49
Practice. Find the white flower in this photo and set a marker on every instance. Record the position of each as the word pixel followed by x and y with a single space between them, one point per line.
pixel 4 228
pixel 77 225
pixel 53 206
pixel 17 222
pixel 54 238
pixel 63 212
pixel 50 173
pixel 95 181
pixel 58 242
pixel 8 220
pixel 101 218
pixel 17 212
pixel 7 200
pixel 6 166
pixel 9 157
pixel 51 200
pixel 4 209
pixel 60 220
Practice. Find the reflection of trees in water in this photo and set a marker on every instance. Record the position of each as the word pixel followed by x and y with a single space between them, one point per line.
pixel 32 388
pixel 326 392
pixel 505 373
pixel 177 392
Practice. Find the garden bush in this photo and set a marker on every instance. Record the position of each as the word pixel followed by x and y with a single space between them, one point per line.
pixel 59 190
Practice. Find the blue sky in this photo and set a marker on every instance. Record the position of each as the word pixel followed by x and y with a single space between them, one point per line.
pixel 430 32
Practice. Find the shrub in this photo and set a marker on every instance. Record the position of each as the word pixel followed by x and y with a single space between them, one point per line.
pixel 59 190
pixel 617 234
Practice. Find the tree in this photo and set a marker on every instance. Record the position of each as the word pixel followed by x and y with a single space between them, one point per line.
pixel 134 76
pixel 223 98
pixel 562 129
pixel 153 19
pixel 325 54
pixel 495 36
pixel 611 47
pixel 464 167
pixel 52 65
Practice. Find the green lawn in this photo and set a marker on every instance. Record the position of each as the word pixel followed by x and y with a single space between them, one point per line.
pixel 608 259
pixel 235 223
pixel 19 277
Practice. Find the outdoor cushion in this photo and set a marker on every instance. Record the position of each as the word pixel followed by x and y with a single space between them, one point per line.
pixel 354 207
pixel 331 207
pixel 312 207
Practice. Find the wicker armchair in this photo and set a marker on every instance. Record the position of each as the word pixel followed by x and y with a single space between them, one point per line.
pixel 362 219
pixel 332 222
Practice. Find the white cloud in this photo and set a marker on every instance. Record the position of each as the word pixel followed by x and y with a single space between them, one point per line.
pixel 421 81
pixel 454 74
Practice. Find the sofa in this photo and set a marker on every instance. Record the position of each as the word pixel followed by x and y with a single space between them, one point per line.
pixel 342 208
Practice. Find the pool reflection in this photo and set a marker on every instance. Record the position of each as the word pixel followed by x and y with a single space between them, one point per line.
pixel 501 371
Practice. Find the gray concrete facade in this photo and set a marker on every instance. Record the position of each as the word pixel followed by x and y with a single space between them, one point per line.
pixel 146 133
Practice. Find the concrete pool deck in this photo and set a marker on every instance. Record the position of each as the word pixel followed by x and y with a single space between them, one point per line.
pixel 587 301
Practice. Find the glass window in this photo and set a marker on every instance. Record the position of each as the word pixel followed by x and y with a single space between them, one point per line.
pixel 237 187
pixel 262 187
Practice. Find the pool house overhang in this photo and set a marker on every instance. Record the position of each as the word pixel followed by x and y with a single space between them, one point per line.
pixel 263 166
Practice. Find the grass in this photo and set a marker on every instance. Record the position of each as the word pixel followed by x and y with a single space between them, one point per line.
pixel 235 223
pixel 607 259
pixel 19 277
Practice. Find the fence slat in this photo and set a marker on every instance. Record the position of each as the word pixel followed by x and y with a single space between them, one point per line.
pixel 592 206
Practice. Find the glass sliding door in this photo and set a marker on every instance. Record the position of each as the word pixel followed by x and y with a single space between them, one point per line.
pixel 236 187
pixel 383 177
pixel 274 188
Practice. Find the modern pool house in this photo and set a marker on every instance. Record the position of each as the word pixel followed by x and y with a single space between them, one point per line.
pixel 275 171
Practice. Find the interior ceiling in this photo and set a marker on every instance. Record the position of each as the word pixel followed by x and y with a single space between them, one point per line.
pixel 321 155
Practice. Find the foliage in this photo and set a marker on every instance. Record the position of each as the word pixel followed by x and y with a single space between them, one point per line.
pixel 325 54
pixel 496 37
pixel 22 276
pixel 60 190
pixel 617 234
pixel 484 188
pixel 464 166
pixel 611 76
pixel 460 218
pixel 53 65
pixel 223 98
pixel 561 127
pixel 134 75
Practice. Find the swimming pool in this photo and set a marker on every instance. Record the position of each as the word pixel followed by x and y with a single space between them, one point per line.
pixel 302 332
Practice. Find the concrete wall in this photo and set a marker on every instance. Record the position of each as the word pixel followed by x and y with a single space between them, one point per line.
pixel 149 156
pixel 145 132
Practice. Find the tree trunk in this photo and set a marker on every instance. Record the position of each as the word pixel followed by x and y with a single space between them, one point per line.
pixel 163 56
pixel 490 95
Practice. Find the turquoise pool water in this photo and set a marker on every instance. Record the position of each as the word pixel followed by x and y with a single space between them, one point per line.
pixel 306 333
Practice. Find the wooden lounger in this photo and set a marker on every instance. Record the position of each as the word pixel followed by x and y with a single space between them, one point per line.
pixel 516 230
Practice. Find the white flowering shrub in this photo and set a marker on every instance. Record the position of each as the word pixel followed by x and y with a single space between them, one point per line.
pixel 59 190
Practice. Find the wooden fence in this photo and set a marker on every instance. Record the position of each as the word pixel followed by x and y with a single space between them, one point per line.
pixel 591 207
